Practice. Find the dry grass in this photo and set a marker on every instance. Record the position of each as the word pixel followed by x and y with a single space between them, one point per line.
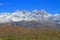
pixel 19 33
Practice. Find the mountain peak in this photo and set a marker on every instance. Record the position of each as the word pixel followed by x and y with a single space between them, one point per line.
pixel 43 12
pixel 36 15
pixel 35 10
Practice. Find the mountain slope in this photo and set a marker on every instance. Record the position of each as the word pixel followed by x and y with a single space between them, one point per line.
pixel 34 19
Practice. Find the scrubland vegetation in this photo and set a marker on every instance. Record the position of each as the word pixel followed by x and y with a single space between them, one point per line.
pixel 19 33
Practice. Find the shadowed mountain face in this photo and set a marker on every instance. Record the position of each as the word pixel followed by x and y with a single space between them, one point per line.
pixel 34 25
pixel 36 19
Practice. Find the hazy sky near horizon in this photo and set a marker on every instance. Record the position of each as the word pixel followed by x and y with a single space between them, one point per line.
pixel 51 6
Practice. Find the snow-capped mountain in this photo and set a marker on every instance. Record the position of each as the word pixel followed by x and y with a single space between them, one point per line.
pixel 35 15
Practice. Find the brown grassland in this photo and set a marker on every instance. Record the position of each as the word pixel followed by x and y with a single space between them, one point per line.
pixel 19 33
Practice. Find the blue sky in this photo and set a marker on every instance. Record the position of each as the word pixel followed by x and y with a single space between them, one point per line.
pixel 51 6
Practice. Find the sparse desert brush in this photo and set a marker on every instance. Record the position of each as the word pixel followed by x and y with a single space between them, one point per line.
pixel 20 33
